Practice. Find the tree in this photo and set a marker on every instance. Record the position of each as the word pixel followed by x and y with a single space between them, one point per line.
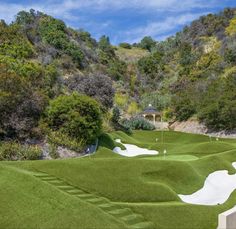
pixel 20 106
pixel 106 51
pixel 147 43
pixel 117 69
pixel 97 86
pixel 76 116
pixel 152 66
pixel 125 45
pixel 104 43
pixel 218 104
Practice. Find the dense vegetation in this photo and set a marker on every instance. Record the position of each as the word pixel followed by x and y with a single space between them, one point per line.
pixel 75 116
pixel 195 70
pixel 190 74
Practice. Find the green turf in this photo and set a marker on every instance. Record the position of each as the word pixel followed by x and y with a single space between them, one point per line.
pixel 110 191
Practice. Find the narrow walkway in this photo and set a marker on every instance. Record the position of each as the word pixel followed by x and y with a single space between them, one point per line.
pixel 123 214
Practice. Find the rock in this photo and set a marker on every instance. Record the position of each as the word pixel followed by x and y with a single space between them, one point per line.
pixel 195 127
pixel 190 126
pixel 67 153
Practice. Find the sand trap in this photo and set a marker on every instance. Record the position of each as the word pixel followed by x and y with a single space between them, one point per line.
pixel 133 150
pixel 216 190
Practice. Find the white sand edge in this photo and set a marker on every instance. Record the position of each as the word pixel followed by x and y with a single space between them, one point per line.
pixel 133 150
pixel 217 188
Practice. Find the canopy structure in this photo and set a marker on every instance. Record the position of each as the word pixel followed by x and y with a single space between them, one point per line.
pixel 150 113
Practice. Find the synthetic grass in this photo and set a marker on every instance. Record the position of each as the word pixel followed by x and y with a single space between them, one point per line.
pixel 147 185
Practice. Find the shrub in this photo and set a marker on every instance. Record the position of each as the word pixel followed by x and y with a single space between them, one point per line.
pixel 20 106
pixel 147 43
pixel 125 45
pixel 56 138
pixel 218 104
pixel 133 108
pixel 115 115
pixel 121 100
pixel 13 151
pixel 117 69
pixel 76 116
pixel 137 123
pixel 97 86
pixel 53 151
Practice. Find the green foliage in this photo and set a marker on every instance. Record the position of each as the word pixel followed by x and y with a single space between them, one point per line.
pixel 231 29
pixel 125 45
pixel 25 18
pixel 86 37
pixel 76 116
pixel 229 50
pixel 106 51
pixel 20 106
pixel 186 57
pixel 53 32
pixel 115 115
pixel 117 70
pixel 74 51
pixel 13 43
pixel 133 108
pixel 147 43
pixel 184 106
pixel 137 123
pixel 57 138
pixel 218 106
pixel 133 81
pixel 104 44
pixel 152 66
pixel 13 151
pixel 121 100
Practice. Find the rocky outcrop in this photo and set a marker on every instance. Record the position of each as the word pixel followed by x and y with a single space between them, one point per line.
pixel 59 152
pixel 195 127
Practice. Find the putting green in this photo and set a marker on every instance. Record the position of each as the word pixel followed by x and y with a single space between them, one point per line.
pixel 174 157
pixel 107 190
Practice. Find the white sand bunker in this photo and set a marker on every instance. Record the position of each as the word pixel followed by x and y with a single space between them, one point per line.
pixel 133 150
pixel 216 190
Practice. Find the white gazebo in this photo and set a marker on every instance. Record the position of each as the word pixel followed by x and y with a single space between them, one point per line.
pixel 152 114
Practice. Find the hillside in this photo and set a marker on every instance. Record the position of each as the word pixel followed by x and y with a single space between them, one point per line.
pixel 189 75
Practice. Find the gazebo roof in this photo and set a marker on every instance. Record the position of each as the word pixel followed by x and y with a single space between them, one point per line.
pixel 150 110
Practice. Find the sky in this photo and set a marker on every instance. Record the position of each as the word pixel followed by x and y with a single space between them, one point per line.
pixel 121 20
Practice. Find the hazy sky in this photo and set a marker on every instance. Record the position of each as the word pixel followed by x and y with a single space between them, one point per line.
pixel 121 20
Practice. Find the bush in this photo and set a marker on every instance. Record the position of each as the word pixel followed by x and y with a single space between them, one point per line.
pixel 57 138
pixel 115 115
pixel 97 86
pixel 137 123
pixel 133 108
pixel 147 43
pixel 121 100
pixel 20 106
pixel 125 45
pixel 13 151
pixel 117 70
pixel 218 104
pixel 76 116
